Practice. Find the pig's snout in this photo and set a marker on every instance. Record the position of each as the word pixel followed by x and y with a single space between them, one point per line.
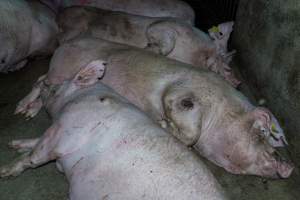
pixel 280 167
pixel 284 167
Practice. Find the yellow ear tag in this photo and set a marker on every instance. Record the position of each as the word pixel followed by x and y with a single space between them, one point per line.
pixel 214 29
pixel 273 128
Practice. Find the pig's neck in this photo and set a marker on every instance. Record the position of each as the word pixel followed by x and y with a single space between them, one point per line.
pixel 142 79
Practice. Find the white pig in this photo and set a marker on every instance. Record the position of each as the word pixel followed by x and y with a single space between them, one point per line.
pixel 109 149
pixel 196 106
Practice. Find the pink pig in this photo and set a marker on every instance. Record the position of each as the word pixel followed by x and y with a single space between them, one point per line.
pixel 109 149
pixel 196 106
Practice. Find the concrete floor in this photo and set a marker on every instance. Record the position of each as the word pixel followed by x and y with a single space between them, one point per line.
pixel 48 184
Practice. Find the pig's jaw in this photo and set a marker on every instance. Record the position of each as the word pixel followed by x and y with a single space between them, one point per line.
pixel 268 166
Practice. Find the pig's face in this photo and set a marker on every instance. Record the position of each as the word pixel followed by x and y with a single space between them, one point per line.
pixel 207 117
pixel 243 148
pixel 222 31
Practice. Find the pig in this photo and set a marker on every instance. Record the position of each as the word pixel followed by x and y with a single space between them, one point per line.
pixel 195 105
pixel 28 28
pixel 172 38
pixel 109 149
pixel 220 35
pixel 154 8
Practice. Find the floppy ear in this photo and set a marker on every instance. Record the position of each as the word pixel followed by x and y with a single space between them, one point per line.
pixel 262 114
pixel 161 38
pixel 90 74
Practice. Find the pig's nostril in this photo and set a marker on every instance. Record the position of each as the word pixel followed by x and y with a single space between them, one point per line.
pixel 2 61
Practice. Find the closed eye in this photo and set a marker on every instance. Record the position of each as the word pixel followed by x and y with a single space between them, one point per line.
pixel 187 103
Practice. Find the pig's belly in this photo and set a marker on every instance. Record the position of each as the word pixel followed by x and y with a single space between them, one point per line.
pixel 133 174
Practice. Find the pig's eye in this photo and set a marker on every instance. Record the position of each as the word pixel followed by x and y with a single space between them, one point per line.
pixel 264 131
pixel 187 103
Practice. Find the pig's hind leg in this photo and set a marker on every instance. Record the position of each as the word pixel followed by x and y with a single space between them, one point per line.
pixel 42 152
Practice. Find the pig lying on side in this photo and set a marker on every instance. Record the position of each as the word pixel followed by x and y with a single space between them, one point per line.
pixel 169 37
pixel 109 149
pixel 153 8
pixel 197 106
pixel 28 28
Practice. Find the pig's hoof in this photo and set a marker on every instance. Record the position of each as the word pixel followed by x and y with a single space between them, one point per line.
pixel 8 170
pixel 32 112
pixel 22 107
pixel 28 109
pixel 18 145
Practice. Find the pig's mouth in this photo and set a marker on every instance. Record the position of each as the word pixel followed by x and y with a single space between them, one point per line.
pixel 277 166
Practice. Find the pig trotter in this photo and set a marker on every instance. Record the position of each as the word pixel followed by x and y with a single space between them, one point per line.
pixel 15 168
pixel 29 109
pixel 42 152
pixel 24 145
pixel 34 108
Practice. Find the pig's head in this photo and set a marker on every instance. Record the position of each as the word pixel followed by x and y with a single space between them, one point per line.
pixel 222 31
pixel 220 34
pixel 211 116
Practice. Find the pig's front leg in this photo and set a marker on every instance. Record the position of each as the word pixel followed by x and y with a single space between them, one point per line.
pixel 43 152
pixel 23 145
pixel 32 103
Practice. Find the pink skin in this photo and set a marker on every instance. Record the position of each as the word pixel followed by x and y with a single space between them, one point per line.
pixel 168 37
pixel 36 35
pixel 221 37
pixel 108 148
pixel 246 151
pixel 154 8
pixel 202 110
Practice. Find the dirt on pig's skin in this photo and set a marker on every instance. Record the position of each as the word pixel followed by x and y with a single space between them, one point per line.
pixel 48 184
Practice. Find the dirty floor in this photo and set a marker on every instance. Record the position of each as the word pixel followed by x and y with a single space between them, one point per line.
pixel 48 184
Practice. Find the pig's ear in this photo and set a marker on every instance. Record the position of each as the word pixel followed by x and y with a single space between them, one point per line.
pixel 90 74
pixel 262 114
pixel 262 121
pixel 161 39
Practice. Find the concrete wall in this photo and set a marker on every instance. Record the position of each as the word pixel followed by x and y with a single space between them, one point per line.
pixel 267 38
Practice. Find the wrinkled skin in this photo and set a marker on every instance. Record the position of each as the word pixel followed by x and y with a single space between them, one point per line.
pixel 154 8
pixel 220 35
pixel 27 28
pixel 196 106
pixel 165 36
pixel 109 149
